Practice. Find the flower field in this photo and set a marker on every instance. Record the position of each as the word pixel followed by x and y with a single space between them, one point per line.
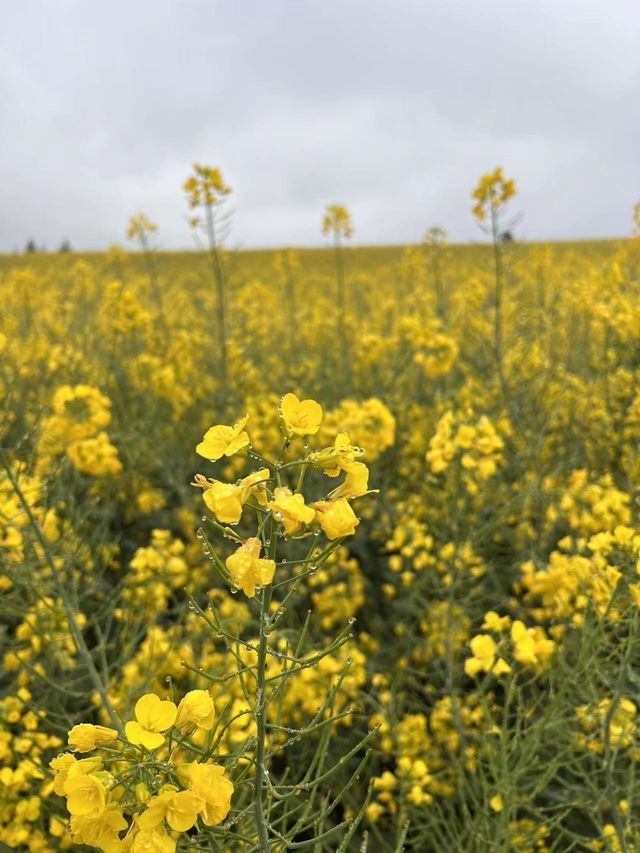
pixel 329 549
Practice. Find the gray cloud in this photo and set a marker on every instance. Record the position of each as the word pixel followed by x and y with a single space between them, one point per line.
pixel 395 108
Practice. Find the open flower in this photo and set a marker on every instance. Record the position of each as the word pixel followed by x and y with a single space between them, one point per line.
pixel 86 794
pixel 301 417
pixel 61 765
pixel 247 569
pixel 332 460
pixel 211 785
pixel 179 808
pixel 153 841
pixel 99 830
pixel 355 483
pixel 336 518
pixel 483 647
pixel 224 440
pixel 226 500
pixel 291 509
pixel 153 716
pixel 532 647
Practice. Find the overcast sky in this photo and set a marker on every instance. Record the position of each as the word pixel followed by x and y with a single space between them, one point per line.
pixel 394 107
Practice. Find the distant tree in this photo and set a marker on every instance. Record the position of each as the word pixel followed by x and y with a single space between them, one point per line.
pixel 65 246
pixel 31 247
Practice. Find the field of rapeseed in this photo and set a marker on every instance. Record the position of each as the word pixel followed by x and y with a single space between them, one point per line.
pixel 325 550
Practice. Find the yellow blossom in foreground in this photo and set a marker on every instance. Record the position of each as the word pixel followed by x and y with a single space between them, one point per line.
pixel 85 795
pixel 61 765
pixel 247 569
pixel 209 783
pixel 336 518
pixel 195 711
pixel 99 830
pixel 179 808
pixel 153 716
pixel 301 417
pixel 85 737
pixel 153 841
pixel 332 460
pixel 291 509
pixel 356 482
pixel 226 500
pixel 224 440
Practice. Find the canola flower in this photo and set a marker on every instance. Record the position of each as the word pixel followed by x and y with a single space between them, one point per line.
pixel 113 791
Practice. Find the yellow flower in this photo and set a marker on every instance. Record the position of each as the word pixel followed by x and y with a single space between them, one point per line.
pixel 336 518
pixel 140 226
pixel 226 500
pixel 496 623
pixel 247 569
pixel 301 417
pixel 291 509
pixel 224 440
pixel 179 808
pixel 86 795
pixel 337 221
pixel 153 841
pixel 61 765
pixel 214 789
pixel 532 647
pixel 331 460
pixel 496 803
pixel 85 737
pixel 492 191
pixel 153 716
pixel 99 830
pixel 356 482
pixel 484 650
pixel 501 667
pixel 195 711
pixel 375 812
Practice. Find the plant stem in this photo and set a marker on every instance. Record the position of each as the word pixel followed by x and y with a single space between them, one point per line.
pixel 218 274
pixel 261 708
pixel 74 628
pixel 342 312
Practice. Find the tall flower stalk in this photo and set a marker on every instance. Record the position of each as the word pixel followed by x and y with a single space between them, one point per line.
pixel 286 522
pixel 141 229
pixel 435 242
pixel 206 190
pixel 491 195
pixel 337 224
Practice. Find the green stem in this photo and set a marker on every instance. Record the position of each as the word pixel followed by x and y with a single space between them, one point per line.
pixel 218 274
pixel 74 628
pixel 261 708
